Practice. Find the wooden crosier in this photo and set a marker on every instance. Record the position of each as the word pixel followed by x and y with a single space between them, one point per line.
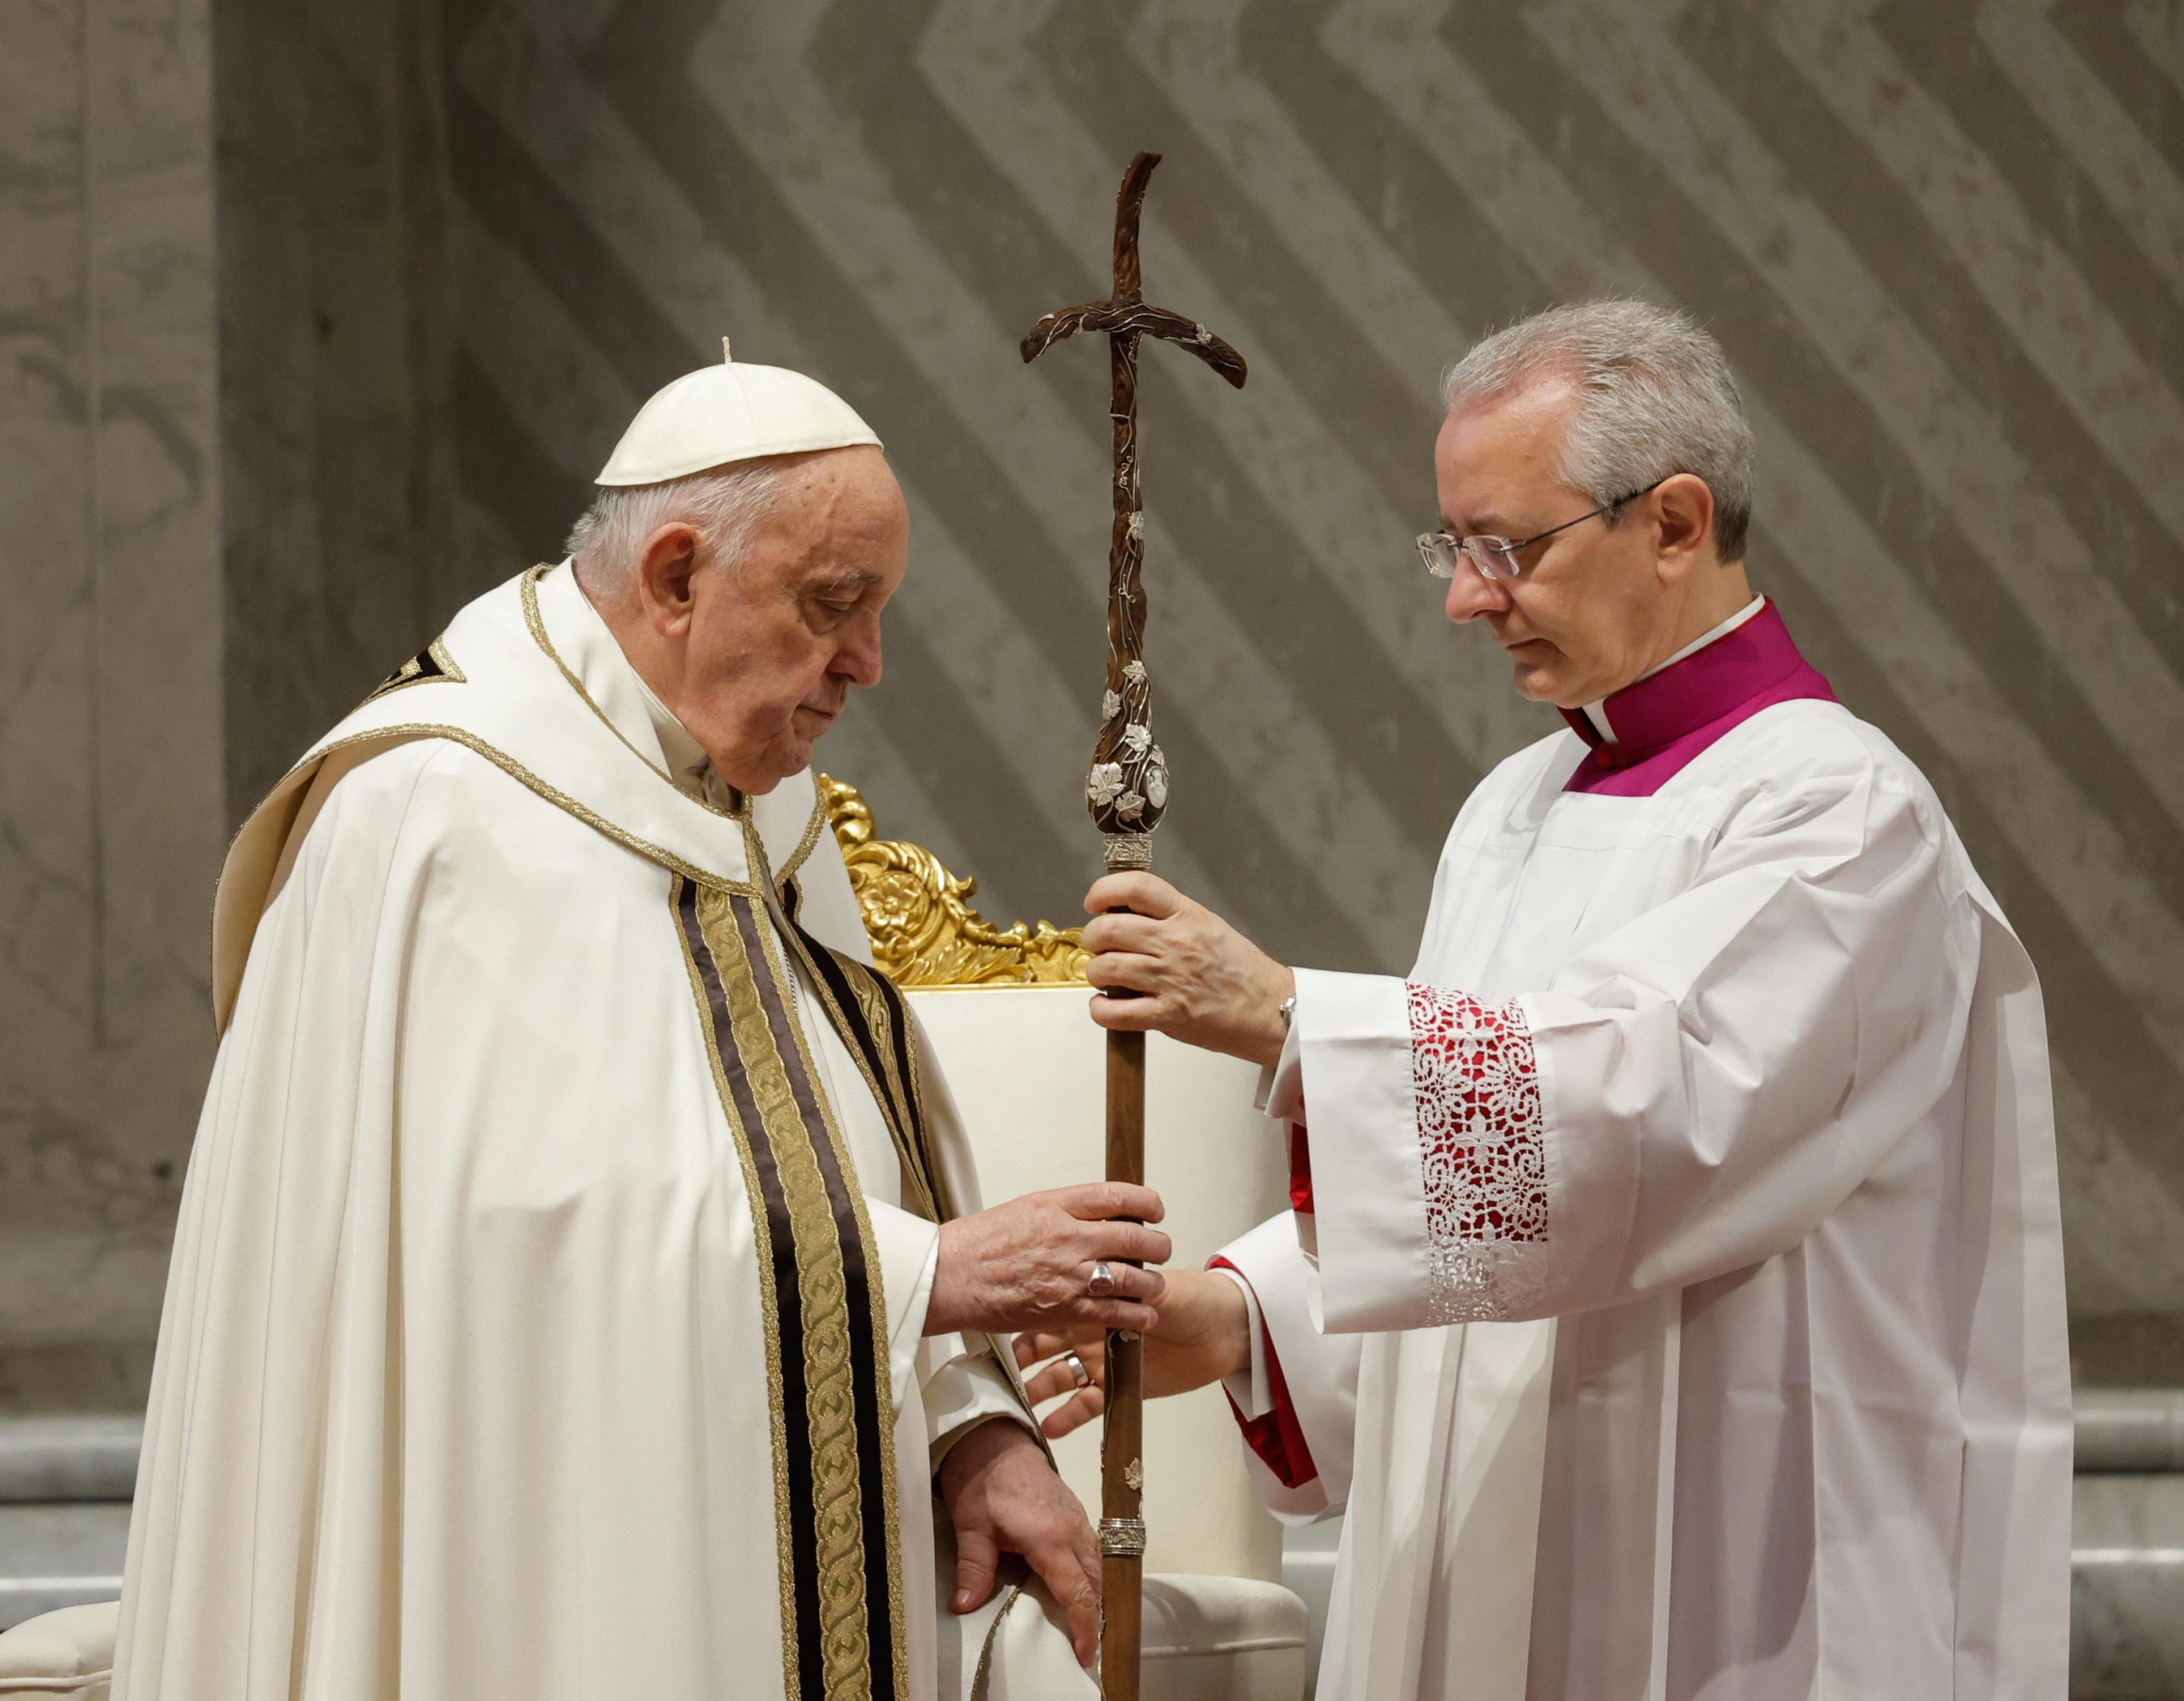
pixel 1127 792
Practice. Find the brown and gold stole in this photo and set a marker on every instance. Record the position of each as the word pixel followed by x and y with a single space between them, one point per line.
pixel 826 1314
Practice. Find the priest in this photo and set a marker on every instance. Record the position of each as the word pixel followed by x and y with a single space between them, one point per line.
pixel 581 1286
pixel 1672 1301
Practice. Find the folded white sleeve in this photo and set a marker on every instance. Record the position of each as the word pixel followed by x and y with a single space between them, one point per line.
pixel 1319 1371
pixel 910 1251
pixel 964 1385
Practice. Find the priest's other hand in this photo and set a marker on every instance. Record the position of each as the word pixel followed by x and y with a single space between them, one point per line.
pixel 1003 1497
pixel 1027 1264
pixel 1204 983
pixel 1203 1335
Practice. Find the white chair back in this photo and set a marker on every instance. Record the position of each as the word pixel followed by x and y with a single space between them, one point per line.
pixel 1029 1072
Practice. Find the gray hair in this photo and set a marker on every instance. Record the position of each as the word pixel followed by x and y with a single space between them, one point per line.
pixel 727 504
pixel 1655 396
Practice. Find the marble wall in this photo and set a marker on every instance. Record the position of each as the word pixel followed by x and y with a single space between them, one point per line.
pixel 219 516
pixel 1943 247
pixel 112 796
pixel 335 308
pixel 456 242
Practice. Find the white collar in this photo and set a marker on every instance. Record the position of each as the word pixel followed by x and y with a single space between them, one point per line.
pixel 784 817
pixel 1596 712
pixel 687 761
pixel 588 648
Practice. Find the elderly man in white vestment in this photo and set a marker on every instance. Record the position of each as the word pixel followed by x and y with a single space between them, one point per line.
pixel 581 1288
pixel 1673 1299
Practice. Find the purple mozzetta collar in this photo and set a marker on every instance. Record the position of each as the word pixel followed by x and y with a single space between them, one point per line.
pixel 1665 720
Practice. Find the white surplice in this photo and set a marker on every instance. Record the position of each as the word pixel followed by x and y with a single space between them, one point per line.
pixel 1687 1317
pixel 463 1379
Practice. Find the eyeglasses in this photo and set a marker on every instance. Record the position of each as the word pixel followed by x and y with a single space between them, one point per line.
pixel 1495 558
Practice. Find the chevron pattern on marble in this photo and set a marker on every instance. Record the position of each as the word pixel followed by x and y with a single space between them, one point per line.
pixel 1944 246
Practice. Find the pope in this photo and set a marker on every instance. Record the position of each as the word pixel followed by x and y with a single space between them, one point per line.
pixel 1673 1298
pixel 581 1286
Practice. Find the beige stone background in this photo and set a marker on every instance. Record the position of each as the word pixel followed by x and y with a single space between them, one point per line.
pixel 317 316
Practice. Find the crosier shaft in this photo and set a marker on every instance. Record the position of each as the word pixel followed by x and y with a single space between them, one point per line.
pixel 1127 792
pixel 1122 1503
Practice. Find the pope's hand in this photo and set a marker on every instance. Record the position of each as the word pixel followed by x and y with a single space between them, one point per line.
pixel 1205 983
pixel 1028 1264
pixel 1203 1335
pixel 1003 1497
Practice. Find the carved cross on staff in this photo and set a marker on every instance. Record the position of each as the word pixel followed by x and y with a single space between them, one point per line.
pixel 1127 792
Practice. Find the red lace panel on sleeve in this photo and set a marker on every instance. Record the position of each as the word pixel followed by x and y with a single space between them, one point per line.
pixel 1481 1141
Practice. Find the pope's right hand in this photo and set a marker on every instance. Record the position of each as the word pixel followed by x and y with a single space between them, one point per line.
pixel 1027 1264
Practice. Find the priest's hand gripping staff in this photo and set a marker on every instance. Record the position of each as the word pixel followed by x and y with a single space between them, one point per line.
pixel 1128 790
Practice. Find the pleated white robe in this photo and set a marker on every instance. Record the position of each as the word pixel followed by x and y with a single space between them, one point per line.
pixel 469 1383
pixel 1686 1316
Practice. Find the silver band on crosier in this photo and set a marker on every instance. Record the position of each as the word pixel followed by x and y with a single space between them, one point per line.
pixel 1077 1370
pixel 1122 1538
pixel 1102 1283
pixel 1126 852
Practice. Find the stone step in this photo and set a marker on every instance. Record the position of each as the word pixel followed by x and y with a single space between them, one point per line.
pixel 59 1554
pixel 2126 1587
pixel 65 1485
pixel 94 1458
pixel 69 1458
pixel 2127 1564
pixel 2129 1428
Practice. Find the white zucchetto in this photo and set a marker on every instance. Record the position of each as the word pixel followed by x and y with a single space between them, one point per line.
pixel 729 413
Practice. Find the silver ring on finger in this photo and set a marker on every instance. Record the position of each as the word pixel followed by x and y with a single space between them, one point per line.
pixel 1103 1284
pixel 1077 1370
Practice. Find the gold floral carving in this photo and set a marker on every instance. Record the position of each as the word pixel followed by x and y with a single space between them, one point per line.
pixel 923 927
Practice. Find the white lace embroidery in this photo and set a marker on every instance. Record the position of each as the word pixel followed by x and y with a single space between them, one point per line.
pixel 1481 1142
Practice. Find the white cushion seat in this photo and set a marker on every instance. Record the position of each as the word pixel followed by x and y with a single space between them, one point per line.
pixel 1221 1639
pixel 1205 1639
pixel 68 1651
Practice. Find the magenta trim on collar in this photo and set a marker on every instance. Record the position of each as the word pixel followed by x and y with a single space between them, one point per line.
pixel 1666 719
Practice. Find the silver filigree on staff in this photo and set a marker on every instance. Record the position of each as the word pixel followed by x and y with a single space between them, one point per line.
pixel 1127 789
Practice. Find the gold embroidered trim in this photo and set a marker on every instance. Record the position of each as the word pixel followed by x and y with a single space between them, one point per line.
pixel 515 770
pixel 882 1357
pixel 769 1300
pixel 880 1016
pixel 536 623
pixel 916 1087
pixel 413 672
pixel 917 1162
pixel 754 853
pixel 812 829
pixel 982 1678
pixel 836 1471
pixel 911 1144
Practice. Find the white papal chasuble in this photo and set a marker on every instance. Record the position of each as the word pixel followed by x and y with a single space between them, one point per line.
pixel 1674 1308
pixel 546 1312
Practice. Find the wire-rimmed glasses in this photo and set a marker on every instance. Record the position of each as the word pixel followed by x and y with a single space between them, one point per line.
pixel 1495 558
